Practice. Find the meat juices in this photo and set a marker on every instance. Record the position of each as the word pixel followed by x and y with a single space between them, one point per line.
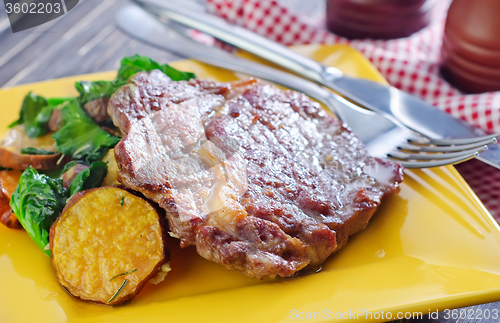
pixel 260 180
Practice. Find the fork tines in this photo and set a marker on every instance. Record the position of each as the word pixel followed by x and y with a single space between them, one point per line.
pixel 454 141
pixel 424 152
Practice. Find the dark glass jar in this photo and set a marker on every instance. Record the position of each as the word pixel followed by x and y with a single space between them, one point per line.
pixel 377 19
pixel 471 45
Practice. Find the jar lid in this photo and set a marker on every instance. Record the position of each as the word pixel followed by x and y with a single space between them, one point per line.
pixel 471 45
pixel 380 19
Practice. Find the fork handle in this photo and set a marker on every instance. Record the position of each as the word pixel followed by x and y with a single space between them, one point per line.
pixel 241 38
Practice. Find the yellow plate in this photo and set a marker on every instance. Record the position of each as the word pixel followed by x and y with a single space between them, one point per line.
pixel 434 246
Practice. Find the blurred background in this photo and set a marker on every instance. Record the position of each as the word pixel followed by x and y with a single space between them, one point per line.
pixel 84 40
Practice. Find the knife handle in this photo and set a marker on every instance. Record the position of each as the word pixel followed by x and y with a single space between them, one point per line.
pixel 241 38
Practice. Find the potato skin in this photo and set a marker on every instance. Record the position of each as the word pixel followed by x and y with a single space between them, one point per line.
pixel 16 139
pixel 9 219
pixel 94 255
pixel 8 184
pixel 17 161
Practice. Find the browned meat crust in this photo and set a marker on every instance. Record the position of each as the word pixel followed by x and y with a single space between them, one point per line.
pixel 258 179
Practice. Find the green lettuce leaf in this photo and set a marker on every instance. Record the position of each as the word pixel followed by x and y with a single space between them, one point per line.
pixel 37 202
pixel 128 66
pixel 134 64
pixel 89 178
pixel 32 105
pixel 35 114
pixel 90 91
pixel 80 137
pixel 38 199
pixel 35 151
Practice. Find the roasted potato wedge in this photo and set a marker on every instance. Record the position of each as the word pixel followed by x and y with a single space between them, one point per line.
pixel 112 175
pixel 8 183
pixel 107 243
pixel 15 140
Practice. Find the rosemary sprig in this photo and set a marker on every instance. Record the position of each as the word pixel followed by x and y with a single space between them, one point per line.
pixel 122 201
pixel 125 282
pixel 122 274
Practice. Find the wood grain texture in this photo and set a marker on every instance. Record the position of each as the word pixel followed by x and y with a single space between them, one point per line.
pixel 86 40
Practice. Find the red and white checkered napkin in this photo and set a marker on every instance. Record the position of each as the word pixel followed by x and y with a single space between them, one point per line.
pixel 410 64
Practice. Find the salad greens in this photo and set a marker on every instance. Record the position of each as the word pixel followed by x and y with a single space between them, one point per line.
pixel 32 106
pixel 134 64
pixel 35 114
pixel 37 202
pixel 80 137
pixel 43 117
pixel 88 178
pixel 90 91
pixel 35 151
pixel 128 66
pixel 38 199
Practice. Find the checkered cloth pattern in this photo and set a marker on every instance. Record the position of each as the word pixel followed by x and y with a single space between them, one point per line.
pixel 410 64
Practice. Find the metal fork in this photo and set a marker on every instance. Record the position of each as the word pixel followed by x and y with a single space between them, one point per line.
pixel 382 136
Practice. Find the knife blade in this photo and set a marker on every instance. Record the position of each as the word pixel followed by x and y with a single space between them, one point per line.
pixel 393 103
pixel 139 24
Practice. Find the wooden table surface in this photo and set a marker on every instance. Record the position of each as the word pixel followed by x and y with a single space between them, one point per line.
pixel 86 40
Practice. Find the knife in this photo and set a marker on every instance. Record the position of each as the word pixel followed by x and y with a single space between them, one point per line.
pixel 138 24
pixel 394 104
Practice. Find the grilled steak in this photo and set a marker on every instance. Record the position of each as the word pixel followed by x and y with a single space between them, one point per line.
pixel 260 180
